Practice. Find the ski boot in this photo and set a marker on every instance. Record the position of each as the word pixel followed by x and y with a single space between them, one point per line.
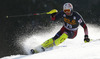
pixel 32 51
pixel 37 50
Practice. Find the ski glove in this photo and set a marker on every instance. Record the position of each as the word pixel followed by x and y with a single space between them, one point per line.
pixel 53 14
pixel 86 39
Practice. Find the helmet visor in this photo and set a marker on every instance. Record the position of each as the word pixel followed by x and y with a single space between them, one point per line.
pixel 67 10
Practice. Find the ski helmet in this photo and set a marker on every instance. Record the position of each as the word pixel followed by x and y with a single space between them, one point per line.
pixel 67 7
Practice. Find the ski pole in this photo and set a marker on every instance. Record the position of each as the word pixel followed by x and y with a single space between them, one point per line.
pixel 50 12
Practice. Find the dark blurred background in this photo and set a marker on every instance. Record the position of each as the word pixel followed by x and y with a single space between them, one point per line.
pixel 13 27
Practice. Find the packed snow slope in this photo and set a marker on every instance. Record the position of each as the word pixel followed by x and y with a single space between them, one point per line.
pixel 69 49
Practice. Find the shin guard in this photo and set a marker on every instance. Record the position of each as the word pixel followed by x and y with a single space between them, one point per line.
pixel 48 43
pixel 61 39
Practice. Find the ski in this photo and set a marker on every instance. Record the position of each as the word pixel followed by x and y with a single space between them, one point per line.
pixel 33 51
pixel 92 40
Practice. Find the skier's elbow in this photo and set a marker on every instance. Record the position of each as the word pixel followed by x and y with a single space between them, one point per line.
pixel 53 18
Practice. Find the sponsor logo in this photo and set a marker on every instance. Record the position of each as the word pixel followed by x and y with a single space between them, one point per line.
pixel 64 15
pixel 74 17
pixel 80 21
pixel 73 22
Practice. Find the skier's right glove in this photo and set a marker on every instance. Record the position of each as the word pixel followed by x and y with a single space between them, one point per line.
pixel 86 39
pixel 53 14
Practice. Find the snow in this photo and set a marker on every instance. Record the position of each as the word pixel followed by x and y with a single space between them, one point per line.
pixel 69 49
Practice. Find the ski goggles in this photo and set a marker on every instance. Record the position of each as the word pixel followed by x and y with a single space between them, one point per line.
pixel 67 10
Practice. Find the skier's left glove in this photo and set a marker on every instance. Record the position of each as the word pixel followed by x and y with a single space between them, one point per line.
pixel 86 39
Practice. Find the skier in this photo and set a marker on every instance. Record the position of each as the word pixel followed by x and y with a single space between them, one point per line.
pixel 72 20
